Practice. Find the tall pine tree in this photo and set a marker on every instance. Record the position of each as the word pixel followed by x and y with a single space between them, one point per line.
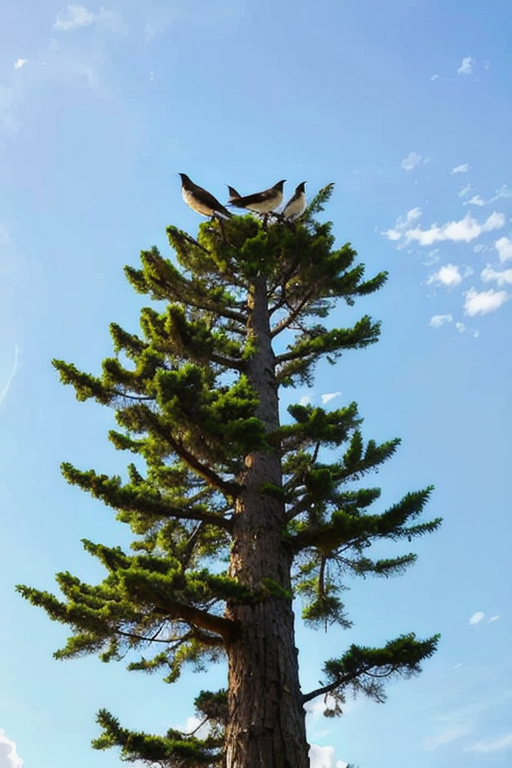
pixel 234 510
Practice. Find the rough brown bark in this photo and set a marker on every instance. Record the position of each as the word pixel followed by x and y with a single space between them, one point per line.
pixel 266 723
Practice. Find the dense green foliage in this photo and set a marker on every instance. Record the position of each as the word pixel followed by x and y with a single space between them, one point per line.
pixel 187 410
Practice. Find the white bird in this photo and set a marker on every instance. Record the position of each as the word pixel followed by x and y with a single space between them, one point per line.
pixel 296 205
pixel 200 200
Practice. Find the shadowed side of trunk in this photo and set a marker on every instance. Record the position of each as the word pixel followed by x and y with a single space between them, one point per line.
pixel 266 724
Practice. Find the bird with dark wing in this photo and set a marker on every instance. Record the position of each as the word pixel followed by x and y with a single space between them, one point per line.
pixel 261 202
pixel 200 200
pixel 296 205
pixel 233 194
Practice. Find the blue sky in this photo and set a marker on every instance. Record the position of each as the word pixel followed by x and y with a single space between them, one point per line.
pixel 406 106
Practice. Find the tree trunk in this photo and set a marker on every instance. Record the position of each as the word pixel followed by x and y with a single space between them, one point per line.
pixel 266 723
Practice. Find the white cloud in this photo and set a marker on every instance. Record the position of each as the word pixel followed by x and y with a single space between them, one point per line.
pixel 461 327
pixel 467 66
pixel 502 192
pixel 4 391
pixel 477 617
pixel 502 278
pixel 438 320
pixel 434 77
pixel 411 161
pixel 464 168
pixel 492 745
pixel 446 736
pixel 465 190
pixel 392 234
pixel 481 303
pixel 19 63
pixel 465 230
pixel 432 257
pixel 329 396
pixel 504 248
pixel 305 400
pixel 323 757
pixel 9 757
pixel 76 16
pixel 402 223
pixel 450 275
pixel 494 618
pixel 475 200
pixel 73 17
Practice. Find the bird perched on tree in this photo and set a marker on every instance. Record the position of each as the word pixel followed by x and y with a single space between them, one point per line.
pixel 296 205
pixel 261 202
pixel 200 200
pixel 233 194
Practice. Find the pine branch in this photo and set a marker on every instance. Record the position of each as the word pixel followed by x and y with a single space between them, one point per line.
pixel 401 656
pixel 141 500
pixel 322 341
pixel 294 313
pixel 230 489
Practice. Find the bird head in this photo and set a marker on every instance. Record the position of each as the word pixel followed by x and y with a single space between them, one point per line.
pixel 279 185
pixel 184 177
pixel 301 187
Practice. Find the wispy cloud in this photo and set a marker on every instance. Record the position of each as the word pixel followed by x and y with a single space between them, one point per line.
pixel 438 320
pixel 483 302
pixel 446 736
pixel 504 248
pixel 402 223
pixel 502 192
pixel 477 617
pixel 449 275
pixel 329 396
pixel 492 745
pixel 19 63
pixel 4 392
pixel 461 327
pixel 475 200
pixel 467 66
pixel 464 168
pixel 494 618
pixel 434 77
pixel 503 277
pixel 77 16
pixel 465 191
pixel 411 161
pixel 9 757
pixel 74 17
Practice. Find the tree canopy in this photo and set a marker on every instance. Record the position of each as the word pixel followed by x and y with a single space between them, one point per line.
pixel 237 509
